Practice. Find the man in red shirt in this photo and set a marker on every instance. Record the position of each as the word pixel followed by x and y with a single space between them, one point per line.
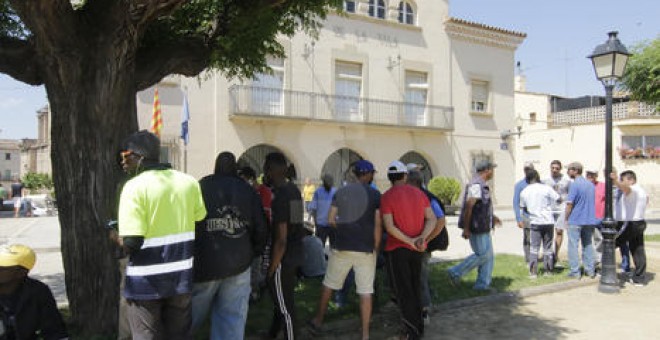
pixel 409 220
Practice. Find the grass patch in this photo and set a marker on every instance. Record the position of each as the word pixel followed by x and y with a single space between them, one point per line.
pixel 652 238
pixel 510 274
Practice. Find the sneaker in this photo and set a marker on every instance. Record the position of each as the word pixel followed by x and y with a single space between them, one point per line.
pixel 313 328
pixel 573 276
pixel 533 276
pixel 547 274
pixel 453 280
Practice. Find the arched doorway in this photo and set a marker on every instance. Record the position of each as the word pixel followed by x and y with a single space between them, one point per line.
pixel 415 157
pixel 339 165
pixel 255 156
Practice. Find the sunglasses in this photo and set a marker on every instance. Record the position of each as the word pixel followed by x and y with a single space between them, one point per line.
pixel 125 154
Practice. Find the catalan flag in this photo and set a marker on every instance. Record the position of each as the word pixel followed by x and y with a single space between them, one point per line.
pixel 156 118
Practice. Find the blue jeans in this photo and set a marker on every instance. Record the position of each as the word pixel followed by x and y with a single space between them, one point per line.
pixel 625 257
pixel 228 300
pixel 482 246
pixel 583 234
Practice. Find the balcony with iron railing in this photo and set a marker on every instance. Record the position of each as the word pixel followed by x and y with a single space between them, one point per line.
pixel 252 101
pixel 596 114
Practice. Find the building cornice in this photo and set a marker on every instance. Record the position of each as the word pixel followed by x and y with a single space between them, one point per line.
pixel 483 34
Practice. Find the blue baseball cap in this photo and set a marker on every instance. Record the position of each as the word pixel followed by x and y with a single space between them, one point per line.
pixel 364 166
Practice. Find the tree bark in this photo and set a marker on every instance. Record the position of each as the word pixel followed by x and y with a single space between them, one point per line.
pixel 91 90
pixel 91 115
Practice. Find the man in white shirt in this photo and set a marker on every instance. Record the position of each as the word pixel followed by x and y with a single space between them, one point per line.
pixel 629 212
pixel 537 200
pixel 561 184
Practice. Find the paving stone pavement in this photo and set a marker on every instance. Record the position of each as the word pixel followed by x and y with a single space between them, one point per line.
pixel 577 313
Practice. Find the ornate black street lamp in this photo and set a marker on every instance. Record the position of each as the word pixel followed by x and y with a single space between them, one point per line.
pixel 609 60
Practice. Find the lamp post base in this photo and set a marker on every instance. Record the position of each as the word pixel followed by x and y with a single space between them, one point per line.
pixel 609 283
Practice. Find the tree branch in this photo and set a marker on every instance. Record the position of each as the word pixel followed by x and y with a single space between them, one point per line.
pixel 187 57
pixel 143 12
pixel 52 22
pixel 18 59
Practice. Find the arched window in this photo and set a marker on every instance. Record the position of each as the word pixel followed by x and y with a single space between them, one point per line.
pixel 255 156
pixel 406 13
pixel 340 165
pixel 421 162
pixel 377 8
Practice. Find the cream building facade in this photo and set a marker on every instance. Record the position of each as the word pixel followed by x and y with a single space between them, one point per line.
pixel 10 161
pixel 579 135
pixel 388 80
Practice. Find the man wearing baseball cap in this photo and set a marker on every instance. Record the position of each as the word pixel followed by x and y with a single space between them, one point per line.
pixel 355 217
pixel 27 306
pixel 522 218
pixel 477 220
pixel 409 220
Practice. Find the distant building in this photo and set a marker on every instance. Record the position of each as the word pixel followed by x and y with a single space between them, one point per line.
pixel 10 160
pixel 35 153
pixel 549 130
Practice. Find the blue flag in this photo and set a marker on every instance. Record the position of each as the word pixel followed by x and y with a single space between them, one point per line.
pixel 185 117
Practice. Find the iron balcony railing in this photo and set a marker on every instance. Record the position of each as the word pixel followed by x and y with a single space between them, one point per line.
pixel 595 114
pixel 272 102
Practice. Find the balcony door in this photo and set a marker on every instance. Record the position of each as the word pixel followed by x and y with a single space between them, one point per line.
pixel 267 90
pixel 348 89
pixel 416 98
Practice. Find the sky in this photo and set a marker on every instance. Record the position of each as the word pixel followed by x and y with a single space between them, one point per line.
pixel 560 34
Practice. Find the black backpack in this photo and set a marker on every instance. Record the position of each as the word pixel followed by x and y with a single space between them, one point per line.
pixel 440 242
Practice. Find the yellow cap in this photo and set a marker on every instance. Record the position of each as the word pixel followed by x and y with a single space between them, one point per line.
pixel 17 255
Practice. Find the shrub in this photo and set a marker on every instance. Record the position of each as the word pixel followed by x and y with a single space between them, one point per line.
pixel 35 181
pixel 447 189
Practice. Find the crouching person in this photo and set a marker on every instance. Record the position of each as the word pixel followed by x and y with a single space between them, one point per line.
pixel 27 306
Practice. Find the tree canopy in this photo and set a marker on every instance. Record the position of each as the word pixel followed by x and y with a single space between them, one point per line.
pixel 172 36
pixel 642 75
pixel 93 56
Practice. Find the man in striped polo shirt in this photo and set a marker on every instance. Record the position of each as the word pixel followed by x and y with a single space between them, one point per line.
pixel 157 213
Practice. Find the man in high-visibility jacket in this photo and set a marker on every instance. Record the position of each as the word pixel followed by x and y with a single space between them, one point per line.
pixel 158 209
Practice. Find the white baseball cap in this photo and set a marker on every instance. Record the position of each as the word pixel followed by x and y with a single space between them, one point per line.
pixel 397 167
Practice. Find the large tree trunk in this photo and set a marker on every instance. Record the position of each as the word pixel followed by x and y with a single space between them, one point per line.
pixel 92 63
pixel 93 107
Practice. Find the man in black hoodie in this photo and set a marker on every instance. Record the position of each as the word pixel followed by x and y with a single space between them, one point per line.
pixel 227 240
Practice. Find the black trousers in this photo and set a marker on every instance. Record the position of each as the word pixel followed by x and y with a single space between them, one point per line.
pixel 282 285
pixel 527 241
pixel 634 235
pixel 404 267
pixel 325 233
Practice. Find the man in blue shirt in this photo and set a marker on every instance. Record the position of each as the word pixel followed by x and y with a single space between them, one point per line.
pixel 320 207
pixel 580 216
pixel 522 218
pixel 355 217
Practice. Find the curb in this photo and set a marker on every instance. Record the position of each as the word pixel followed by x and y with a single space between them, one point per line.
pixel 514 295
